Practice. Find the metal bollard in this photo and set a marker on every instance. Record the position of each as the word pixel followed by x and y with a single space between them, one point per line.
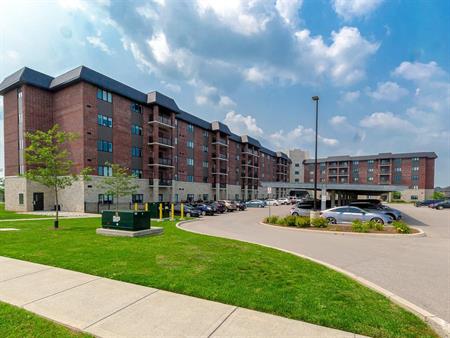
pixel 160 211
pixel 135 207
pixel 172 212
pixel 182 211
pixel 146 206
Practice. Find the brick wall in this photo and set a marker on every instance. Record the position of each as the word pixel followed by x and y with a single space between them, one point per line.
pixel 11 135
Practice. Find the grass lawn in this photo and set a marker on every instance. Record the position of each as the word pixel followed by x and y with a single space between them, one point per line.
pixel 14 215
pixel 223 270
pixel 16 322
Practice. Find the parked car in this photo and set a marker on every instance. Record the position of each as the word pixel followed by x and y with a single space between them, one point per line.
pixel 255 204
pixel 240 205
pixel 380 208
pixel 293 199
pixel 272 202
pixel 426 203
pixel 220 207
pixel 295 211
pixel 230 205
pixel 205 209
pixel 189 210
pixel 369 200
pixel 442 205
pixel 348 214
pixel 309 204
pixel 284 201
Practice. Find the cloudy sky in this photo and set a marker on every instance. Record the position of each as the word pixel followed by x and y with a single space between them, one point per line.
pixel 381 68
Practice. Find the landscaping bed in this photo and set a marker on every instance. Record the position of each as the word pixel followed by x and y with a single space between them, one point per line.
pixel 218 269
pixel 304 222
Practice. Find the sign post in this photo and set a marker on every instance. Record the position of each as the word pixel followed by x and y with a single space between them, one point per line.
pixel 269 191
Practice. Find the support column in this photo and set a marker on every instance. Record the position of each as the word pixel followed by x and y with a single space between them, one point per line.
pixel 333 198
pixel 323 203
pixel 155 189
pixel 339 198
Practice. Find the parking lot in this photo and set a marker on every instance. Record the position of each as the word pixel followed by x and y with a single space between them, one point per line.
pixel 415 268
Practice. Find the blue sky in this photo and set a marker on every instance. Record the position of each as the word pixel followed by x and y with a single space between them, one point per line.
pixel 381 68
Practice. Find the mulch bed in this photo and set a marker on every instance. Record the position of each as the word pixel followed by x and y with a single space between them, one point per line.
pixel 348 228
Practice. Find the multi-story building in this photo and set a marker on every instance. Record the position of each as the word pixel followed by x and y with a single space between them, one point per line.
pixel 414 170
pixel 297 172
pixel 175 156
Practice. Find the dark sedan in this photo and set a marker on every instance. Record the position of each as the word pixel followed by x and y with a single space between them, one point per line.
pixel 205 209
pixel 427 203
pixel 189 210
pixel 442 205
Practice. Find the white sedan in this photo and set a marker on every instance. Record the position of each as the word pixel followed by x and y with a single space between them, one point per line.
pixel 272 202
pixel 283 201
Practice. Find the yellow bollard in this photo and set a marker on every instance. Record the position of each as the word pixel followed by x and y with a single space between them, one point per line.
pixel 146 206
pixel 160 211
pixel 182 211
pixel 172 213
pixel 135 207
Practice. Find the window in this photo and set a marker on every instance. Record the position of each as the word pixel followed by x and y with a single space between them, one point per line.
pixel 136 172
pixel 355 162
pixel 397 178
pixel 415 159
pixel 415 169
pixel 355 179
pixel 296 180
pixel 297 165
pixel 205 164
pixel 205 179
pixel 356 170
pixel 205 197
pixel 190 178
pixel 136 152
pixel 102 198
pixel 136 130
pixel 104 95
pixel 296 173
pixel 104 121
pixel 135 108
pixel 370 179
pixel 398 170
pixel 105 146
pixel 414 197
pixel 205 134
pixel 370 161
pixel 370 170
pixel 415 177
pixel 205 148
pixel 21 198
pixel 190 144
pixel 104 170
pixel 190 161
pixel 137 198
pixel 190 128
pixel 415 187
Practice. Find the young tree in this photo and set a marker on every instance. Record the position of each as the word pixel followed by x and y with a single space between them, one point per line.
pixel 47 160
pixel 438 195
pixel 121 183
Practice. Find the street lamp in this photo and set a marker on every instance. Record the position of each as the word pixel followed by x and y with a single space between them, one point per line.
pixel 316 99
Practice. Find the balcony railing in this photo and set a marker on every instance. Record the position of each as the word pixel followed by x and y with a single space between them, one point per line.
pixel 219 141
pixel 163 120
pixel 160 140
pixel 164 182
pixel 219 156
pixel 161 161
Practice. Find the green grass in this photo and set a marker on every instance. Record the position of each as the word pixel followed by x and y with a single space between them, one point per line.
pixel 15 322
pixel 223 270
pixel 14 215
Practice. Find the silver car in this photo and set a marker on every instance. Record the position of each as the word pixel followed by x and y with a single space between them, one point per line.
pixel 299 212
pixel 349 214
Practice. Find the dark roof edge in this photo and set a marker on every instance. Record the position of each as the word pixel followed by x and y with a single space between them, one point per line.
pixel 430 154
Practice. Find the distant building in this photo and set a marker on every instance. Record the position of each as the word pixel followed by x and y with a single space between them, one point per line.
pixel 297 157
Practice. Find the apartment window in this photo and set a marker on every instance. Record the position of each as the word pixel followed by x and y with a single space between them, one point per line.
pixel 20 198
pixel 415 187
pixel 415 177
pixel 136 108
pixel 190 161
pixel 415 159
pixel 355 179
pixel 297 165
pixel 296 173
pixel 356 170
pixel 136 152
pixel 190 144
pixel 296 180
pixel 136 172
pixel 205 164
pixel 136 130
pixel 311 172
pixel 104 121
pixel 238 157
pixel 370 161
pixel 190 128
pixel 104 170
pixel 205 197
pixel 190 178
pixel 355 162
pixel 105 146
pixel 205 148
pixel 104 95
pixel 137 198
pixel 370 170
pixel 370 179
pixel 397 178
pixel 415 168
pixel 105 199
pixel 205 133
pixel 205 179
pixel 398 170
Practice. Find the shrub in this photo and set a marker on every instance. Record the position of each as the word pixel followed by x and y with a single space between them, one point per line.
pixel 359 226
pixel 290 220
pixel 303 222
pixel 401 227
pixel 319 222
pixel 271 219
pixel 396 195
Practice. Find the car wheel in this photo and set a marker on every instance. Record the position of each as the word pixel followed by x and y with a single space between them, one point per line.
pixel 377 220
pixel 391 216
pixel 331 220
pixel 440 207
pixel 188 214
pixel 203 213
pixel 295 214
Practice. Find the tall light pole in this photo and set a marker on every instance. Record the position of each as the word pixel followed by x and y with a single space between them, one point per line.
pixel 316 99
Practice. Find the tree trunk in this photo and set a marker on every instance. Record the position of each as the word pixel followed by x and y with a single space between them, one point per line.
pixel 117 202
pixel 56 222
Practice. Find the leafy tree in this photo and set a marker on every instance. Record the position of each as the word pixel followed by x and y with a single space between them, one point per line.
pixel 438 195
pixel 396 195
pixel 48 163
pixel 121 183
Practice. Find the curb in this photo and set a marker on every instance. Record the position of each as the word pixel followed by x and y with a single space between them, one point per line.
pixel 441 326
pixel 420 232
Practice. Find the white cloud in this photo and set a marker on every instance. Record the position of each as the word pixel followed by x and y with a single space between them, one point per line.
pixel 256 75
pixel 97 42
pixel 201 100
pixel 160 48
pixel 351 96
pixel 388 91
pixel 386 121
pixel 298 136
pixel 226 101
pixel 343 60
pixel 338 120
pixel 242 125
pixel 349 9
pixel 418 71
pixel 172 87
pixel 288 10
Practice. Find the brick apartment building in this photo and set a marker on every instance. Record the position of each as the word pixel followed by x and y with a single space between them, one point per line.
pixel 414 170
pixel 175 155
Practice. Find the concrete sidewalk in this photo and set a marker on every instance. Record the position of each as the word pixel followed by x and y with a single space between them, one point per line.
pixel 108 308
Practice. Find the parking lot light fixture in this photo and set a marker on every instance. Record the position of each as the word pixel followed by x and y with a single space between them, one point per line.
pixel 316 99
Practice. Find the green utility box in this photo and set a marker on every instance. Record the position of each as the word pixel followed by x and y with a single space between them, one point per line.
pixel 153 209
pixel 126 220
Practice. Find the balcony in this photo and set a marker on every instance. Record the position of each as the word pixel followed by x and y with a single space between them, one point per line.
pixel 162 141
pixel 223 157
pixel 164 162
pixel 220 171
pixel 162 182
pixel 220 141
pixel 385 162
pixel 164 121
pixel 385 172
